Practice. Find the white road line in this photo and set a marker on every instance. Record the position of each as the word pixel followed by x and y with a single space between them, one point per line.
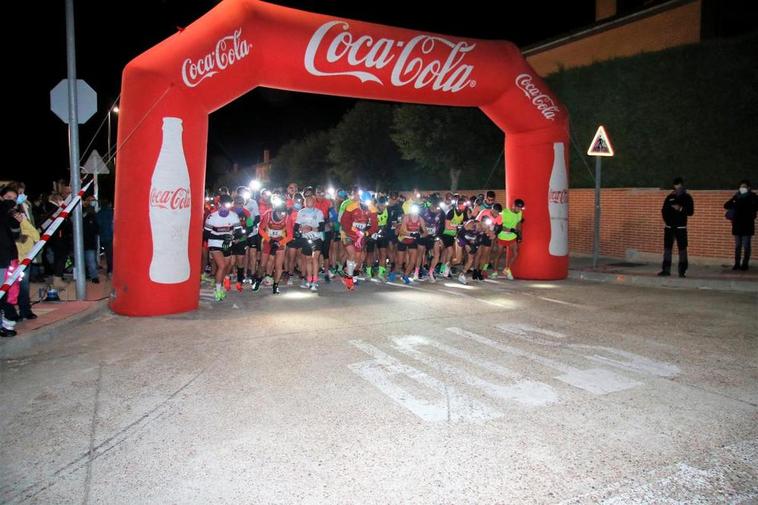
pixel 525 392
pixel 597 381
pixel 633 362
pixel 451 406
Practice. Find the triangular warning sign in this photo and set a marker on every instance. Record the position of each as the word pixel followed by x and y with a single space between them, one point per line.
pixel 601 144
pixel 95 164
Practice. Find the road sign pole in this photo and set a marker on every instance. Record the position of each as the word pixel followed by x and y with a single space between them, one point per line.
pixel 73 127
pixel 596 241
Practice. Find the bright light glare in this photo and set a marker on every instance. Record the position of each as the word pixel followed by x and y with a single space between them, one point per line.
pixel 458 285
pixel 543 286
pixel 276 201
pixel 296 295
pixel 115 109
pixel 414 209
pixel 255 184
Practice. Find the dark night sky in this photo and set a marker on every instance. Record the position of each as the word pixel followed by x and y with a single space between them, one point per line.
pixel 108 38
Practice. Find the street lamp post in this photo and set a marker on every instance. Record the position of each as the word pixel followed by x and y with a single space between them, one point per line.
pixel 108 155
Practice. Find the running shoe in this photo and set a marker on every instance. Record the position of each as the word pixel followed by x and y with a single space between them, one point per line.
pixel 256 285
pixel 508 274
pixel 220 294
pixel 290 282
pixel 275 289
pixel 227 283
pixel 305 284
pixel 239 287
pixel 462 278
pixel 432 279
pixel 406 279
pixel 493 275
pixel 314 286
pixel 369 272
pixel 348 282
pixel 392 276
pixel 268 280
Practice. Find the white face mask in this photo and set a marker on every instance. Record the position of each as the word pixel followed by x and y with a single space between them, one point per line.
pixel 743 190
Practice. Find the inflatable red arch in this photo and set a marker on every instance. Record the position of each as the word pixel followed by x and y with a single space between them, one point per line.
pixel 168 92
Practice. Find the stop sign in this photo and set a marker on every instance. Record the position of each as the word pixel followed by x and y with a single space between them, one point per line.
pixel 85 96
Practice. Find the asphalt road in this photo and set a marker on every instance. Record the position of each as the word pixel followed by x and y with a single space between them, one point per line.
pixel 521 392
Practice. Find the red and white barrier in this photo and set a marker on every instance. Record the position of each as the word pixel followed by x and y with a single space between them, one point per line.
pixel 62 216
pixel 57 212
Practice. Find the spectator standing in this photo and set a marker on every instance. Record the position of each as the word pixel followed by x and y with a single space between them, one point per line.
pixel 742 209
pixel 677 207
pixel 9 230
pixel 89 225
pixel 105 230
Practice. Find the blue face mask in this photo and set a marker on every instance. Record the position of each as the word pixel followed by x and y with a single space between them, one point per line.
pixel 20 199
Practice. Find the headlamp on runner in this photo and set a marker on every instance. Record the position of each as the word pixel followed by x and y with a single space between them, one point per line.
pixel 415 209
pixel 365 197
pixel 331 192
pixel 255 184
pixel 208 199
pixel 245 193
pixel 487 221
pixel 276 201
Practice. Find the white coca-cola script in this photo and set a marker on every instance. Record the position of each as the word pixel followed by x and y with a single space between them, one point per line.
pixel 176 199
pixel 543 102
pixel 228 51
pixel 409 58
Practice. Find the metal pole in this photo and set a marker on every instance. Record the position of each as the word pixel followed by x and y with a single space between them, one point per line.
pixel 596 242
pixel 73 147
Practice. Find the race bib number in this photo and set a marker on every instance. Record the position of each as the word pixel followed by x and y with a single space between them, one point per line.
pixel 276 233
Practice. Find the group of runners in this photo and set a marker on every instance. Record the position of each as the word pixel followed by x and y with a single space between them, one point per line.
pixel 254 236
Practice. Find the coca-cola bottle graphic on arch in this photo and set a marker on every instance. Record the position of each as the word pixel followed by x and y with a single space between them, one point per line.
pixel 557 203
pixel 170 208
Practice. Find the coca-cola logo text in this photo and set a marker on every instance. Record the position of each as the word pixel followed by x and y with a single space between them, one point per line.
pixel 543 102
pixel 168 199
pixel 559 196
pixel 228 51
pixel 409 65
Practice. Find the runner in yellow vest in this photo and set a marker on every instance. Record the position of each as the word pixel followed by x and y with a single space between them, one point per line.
pixel 510 235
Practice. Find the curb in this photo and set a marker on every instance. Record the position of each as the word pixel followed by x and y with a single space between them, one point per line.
pixel 11 347
pixel 668 282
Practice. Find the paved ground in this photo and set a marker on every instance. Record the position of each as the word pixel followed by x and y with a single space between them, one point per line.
pixel 502 392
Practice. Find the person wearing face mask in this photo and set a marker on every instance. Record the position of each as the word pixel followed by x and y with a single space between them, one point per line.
pixel 677 207
pixel 222 227
pixel 741 210
pixel 10 230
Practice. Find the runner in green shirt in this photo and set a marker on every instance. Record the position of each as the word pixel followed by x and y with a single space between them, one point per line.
pixel 510 235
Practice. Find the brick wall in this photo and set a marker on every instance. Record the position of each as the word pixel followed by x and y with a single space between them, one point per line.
pixel 631 219
pixel 669 28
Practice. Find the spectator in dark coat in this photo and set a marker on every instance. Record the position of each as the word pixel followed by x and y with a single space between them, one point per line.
pixel 105 227
pixel 677 207
pixel 742 209
pixel 9 232
pixel 89 226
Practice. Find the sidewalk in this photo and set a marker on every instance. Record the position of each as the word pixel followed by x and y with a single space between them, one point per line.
pixel 53 315
pixel 618 271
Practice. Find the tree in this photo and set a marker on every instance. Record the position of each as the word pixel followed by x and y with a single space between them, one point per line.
pixel 459 144
pixel 304 160
pixel 361 148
